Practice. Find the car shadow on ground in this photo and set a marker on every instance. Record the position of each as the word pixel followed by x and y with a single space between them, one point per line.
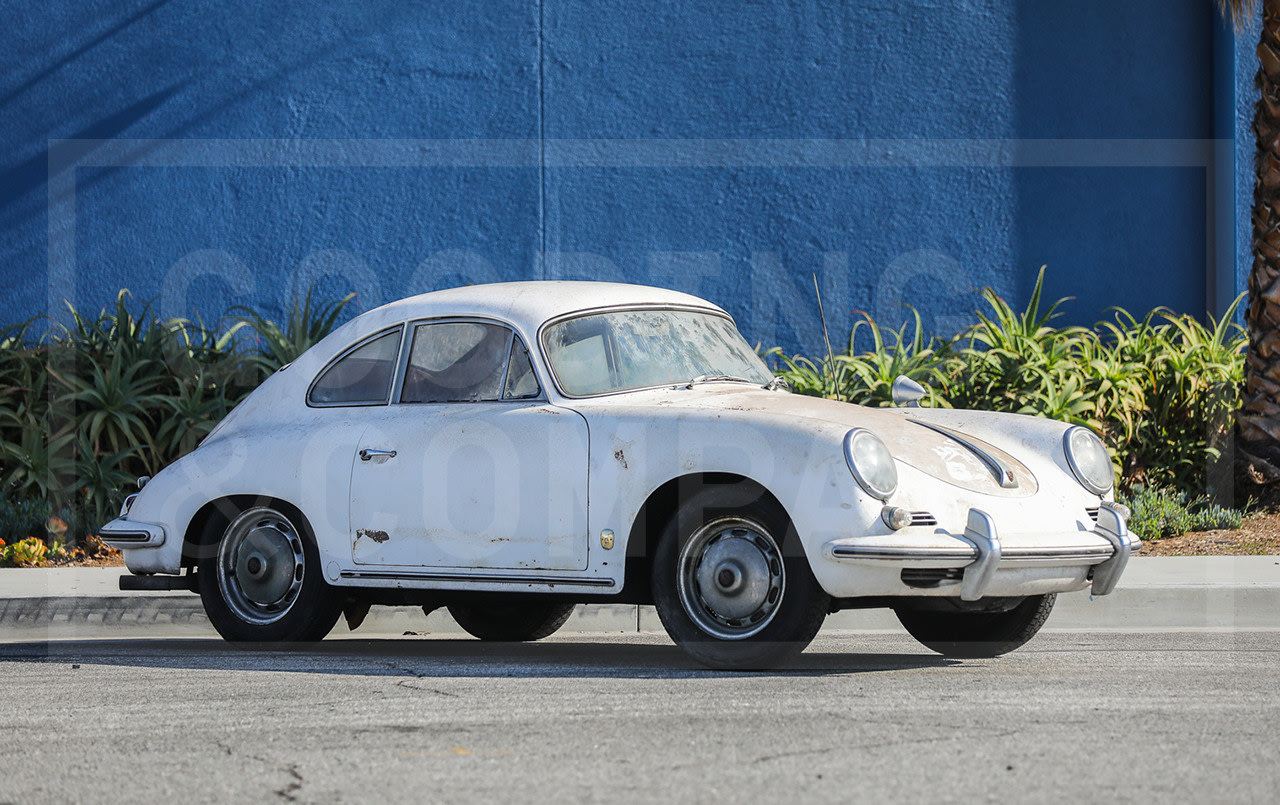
pixel 436 657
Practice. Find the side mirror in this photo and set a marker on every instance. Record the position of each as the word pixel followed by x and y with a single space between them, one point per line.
pixel 906 391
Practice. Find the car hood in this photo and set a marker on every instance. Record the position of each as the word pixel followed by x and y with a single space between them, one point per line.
pixel 946 444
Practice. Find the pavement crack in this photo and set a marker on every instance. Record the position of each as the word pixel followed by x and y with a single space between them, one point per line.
pixel 290 790
pixel 404 683
pixel 797 753
pixel 879 745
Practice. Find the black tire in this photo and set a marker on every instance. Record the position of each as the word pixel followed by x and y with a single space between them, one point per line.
pixel 511 623
pixel 260 580
pixel 978 634
pixel 718 564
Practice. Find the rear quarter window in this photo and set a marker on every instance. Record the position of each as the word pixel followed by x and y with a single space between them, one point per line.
pixel 360 377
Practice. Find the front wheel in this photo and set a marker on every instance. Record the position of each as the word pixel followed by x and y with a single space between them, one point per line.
pixel 261 581
pixel 511 623
pixel 731 583
pixel 978 634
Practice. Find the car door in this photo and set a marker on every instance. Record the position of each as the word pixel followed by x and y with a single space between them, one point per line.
pixel 471 467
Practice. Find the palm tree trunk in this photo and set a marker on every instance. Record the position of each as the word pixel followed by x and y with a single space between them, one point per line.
pixel 1259 418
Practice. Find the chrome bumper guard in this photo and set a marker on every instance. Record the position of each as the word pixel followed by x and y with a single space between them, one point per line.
pixel 121 533
pixel 987 553
pixel 981 531
pixel 1112 528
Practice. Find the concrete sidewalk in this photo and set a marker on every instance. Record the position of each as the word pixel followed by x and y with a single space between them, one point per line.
pixel 1155 593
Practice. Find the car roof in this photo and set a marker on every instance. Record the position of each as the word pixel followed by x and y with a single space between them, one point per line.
pixel 526 305
pixel 529 304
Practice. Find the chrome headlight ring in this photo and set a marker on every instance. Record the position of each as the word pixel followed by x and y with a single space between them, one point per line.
pixel 871 463
pixel 1089 460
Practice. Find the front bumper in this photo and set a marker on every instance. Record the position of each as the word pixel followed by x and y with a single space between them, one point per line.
pixel 979 554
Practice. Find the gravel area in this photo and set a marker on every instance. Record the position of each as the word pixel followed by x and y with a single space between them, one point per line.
pixel 1260 535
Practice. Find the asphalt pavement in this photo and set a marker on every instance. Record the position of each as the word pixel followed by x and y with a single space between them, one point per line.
pixel 1154 593
pixel 1187 716
pixel 1168 689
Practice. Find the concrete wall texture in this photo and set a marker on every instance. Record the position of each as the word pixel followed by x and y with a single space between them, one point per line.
pixel 204 155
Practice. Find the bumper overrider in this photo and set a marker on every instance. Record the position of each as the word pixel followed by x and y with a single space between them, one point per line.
pixel 979 553
pixel 122 533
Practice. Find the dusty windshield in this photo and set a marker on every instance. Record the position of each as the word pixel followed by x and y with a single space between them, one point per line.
pixel 631 349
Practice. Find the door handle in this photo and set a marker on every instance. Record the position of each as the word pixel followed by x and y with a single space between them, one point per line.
pixel 368 455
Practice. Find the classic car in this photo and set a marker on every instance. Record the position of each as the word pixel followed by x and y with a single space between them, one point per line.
pixel 509 451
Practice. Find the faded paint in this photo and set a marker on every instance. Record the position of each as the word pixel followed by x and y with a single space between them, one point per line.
pixel 528 473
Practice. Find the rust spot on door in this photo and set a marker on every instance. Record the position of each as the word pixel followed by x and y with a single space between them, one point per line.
pixel 376 536
pixel 620 457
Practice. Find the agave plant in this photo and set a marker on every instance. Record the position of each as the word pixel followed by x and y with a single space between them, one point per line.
pixel 892 355
pixel 1009 357
pixel 307 323
pixel 194 409
pixel 114 404
pixel 37 465
pixel 100 480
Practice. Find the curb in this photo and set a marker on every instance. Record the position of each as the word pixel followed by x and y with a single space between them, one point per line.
pixel 1156 593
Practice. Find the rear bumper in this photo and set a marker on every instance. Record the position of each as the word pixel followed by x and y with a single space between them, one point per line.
pixel 123 534
pixel 980 554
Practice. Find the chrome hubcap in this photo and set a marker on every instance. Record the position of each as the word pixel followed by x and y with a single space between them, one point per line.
pixel 731 578
pixel 260 566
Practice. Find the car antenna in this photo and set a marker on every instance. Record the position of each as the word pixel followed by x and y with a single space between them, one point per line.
pixel 835 387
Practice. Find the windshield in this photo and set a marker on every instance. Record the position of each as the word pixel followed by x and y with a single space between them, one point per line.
pixel 630 349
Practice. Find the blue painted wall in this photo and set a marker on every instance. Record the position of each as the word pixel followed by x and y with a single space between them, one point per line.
pixel 904 153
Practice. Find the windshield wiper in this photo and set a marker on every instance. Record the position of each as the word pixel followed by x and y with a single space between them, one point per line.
pixel 718 378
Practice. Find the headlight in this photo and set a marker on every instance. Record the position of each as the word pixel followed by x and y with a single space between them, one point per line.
pixel 871 463
pixel 1089 460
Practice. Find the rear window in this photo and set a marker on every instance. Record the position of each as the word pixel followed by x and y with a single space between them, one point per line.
pixel 362 376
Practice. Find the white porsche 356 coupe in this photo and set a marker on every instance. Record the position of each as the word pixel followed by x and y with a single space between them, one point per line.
pixel 509 451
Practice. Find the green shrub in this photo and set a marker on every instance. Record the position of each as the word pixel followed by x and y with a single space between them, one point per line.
pixel 1159 512
pixel 88 407
pixel 1160 390
pixel 22 518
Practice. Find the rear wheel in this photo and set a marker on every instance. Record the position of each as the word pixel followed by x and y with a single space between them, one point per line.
pixel 732 585
pixel 978 634
pixel 260 582
pixel 511 622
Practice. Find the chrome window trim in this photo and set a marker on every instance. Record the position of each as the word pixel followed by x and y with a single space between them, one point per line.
pixel 506 376
pixel 407 347
pixel 344 353
pixel 595 311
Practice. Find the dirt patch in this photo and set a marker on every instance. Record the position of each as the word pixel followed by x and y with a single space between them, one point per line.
pixel 109 561
pixel 1260 535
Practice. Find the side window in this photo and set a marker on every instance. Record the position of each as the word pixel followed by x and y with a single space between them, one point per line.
pixel 521 381
pixel 362 376
pixel 456 362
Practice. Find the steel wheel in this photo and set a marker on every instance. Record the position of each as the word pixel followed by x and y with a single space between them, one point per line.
pixel 261 566
pixel 731 578
pixel 259 578
pixel 731 582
